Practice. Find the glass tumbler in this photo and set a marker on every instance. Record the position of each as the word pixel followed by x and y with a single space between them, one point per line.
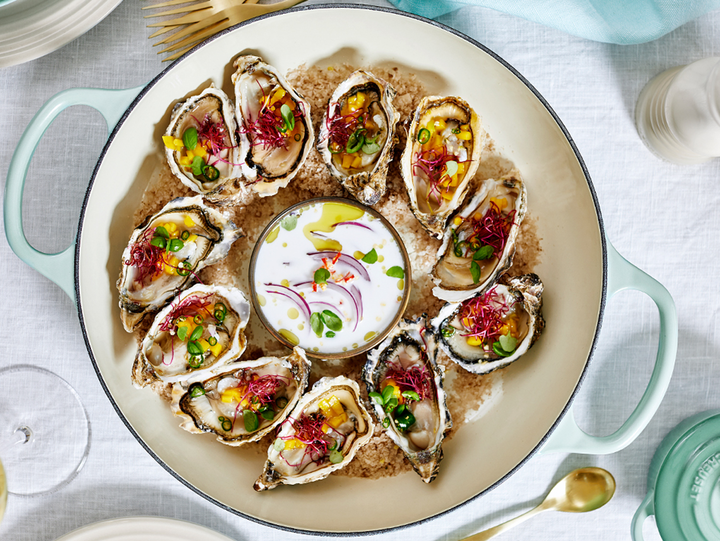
pixel 678 113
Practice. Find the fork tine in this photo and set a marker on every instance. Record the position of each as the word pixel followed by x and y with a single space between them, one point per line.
pixel 190 18
pixel 193 9
pixel 171 3
pixel 195 35
pixel 195 27
pixel 161 31
pixel 210 31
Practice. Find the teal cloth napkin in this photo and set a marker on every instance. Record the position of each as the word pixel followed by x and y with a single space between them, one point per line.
pixel 611 21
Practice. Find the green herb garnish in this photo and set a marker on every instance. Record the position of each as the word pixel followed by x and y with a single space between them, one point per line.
pixel 288 117
pixel 197 390
pixel 197 166
pixel 190 138
pixel 289 222
pixel 333 322
pixel 370 257
pixel 321 276
pixel 250 420
pixel 396 272
pixel 475 271
pixel 316 324
pixel 484 252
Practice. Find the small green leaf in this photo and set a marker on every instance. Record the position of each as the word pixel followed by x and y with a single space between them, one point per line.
pixel 289 222
pixel 370 257
pixel 267 414
pixel 194 348
pixel 159 242
pixel 288 117
pixel 190 138
pixel 175 245
pixel 376 397
pixel 396 272
pixel 316 324
pixel 250 419
pixel 386 422
pixel 197 166
pixel 321 276
pixel 499 351
pixel 485 252
pixel 411 395
pixel 452 168
pixel 447 331
pixel 329 334
pixel 160 231
pixel 508 342
pixel 475 271
pixel 333 322
pixel 196 334
pixel 196 389
pixel 388 391
pixel 182 333
pixel 391 404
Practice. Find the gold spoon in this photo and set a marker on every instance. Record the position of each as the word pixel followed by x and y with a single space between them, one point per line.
pixel 581 490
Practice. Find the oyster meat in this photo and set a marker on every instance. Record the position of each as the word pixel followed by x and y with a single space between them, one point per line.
pixel 202 328
pixel 405 385
pixel 444 143
pixel 200 143
pixel 492 329
pixel 357 135
pixel 242 401
pixel 276 132
pixel 321 435
pixel 165 253
pixel 479 242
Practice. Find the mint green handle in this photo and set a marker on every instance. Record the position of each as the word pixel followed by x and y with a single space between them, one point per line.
pixel 647 508
pixel 568 437
pixel 59 267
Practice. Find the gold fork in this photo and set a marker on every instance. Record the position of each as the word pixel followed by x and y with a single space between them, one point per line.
pixel 204 19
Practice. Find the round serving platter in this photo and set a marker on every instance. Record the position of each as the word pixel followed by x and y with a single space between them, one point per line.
pixel 536 390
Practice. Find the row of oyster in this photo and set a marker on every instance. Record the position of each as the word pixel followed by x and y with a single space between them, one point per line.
pixel 211 144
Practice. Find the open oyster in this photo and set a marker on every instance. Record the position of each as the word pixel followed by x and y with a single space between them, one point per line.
pixel 203 327
pixel 200 143
pixel 494 328
pixel 165 253
pixel 276 132
pixel 405 385
pixel 321 435
pixel 357 135
pixel 479 242
pixel 442 153
pixel 242 401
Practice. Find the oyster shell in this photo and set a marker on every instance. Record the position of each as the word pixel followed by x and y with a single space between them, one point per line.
pixel 512 323
pixel 202 328
pixel 152 274
pixel 479 243
pixel 361 117
pixel 405 363
pixel 276 132
pixel 208 157
pixel 330 415
pixel 242 401
pixel 444 143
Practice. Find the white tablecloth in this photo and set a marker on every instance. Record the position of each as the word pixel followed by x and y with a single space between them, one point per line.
pixel 661 217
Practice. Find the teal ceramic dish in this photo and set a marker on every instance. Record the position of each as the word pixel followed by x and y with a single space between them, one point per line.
pixel 684 482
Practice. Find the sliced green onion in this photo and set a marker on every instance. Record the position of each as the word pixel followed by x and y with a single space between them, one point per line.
pixel 411 395
pixel 212 341
pixel 423 136
pixel 355 141
pixel 268 414
pixel 184 268
pixel 198 319
pixel 210 172
pixel 281 402
pixel 448 331
pixel 185 235
pixel 297 137
pixel 225 423
pixel 196 389
pixel 195 361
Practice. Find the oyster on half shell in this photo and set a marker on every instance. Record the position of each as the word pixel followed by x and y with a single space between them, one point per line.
pixel 165 253
pixel 405 385
pixel 242 401
pixel 479 242
pixel 441 156
pixel 492 329
pixel 357 135
pixel 200 143
pixel 202 328
pixel 321 435
pixel 276 131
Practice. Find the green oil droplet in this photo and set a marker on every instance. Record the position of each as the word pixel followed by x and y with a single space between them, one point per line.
pixel 261 300
pixel 401 284
pixel 289 336
pixel 272 235
pixel 293 313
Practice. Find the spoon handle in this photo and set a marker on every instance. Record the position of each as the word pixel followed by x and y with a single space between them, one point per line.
pixel 495 530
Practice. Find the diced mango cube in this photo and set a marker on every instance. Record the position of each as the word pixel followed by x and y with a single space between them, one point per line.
pixel 184 160
pixel 347 160
pixel 474 341
pixel 357 162
pixel 231 395
pixel 501 202
pixel 189 221
pixel 294 443
pixel 439 124
pixel 192 238
pixel 199 151
pixel 464 135
pixel 169 141
pixel 457 220
pixel 338 420
pixel 216 350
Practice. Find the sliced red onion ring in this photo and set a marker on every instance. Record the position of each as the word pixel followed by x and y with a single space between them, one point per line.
pixel 353 223
pixel 326 304
pixel 295 297
pixel 345 258
pixel 358 297
pixel 345 292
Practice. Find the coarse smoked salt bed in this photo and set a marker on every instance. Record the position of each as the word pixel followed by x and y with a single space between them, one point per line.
pixel 331 276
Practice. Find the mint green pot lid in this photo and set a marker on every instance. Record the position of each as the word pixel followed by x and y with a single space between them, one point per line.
pixel 684 482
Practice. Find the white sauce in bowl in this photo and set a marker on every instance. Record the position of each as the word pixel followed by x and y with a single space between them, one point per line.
pixel 366 300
